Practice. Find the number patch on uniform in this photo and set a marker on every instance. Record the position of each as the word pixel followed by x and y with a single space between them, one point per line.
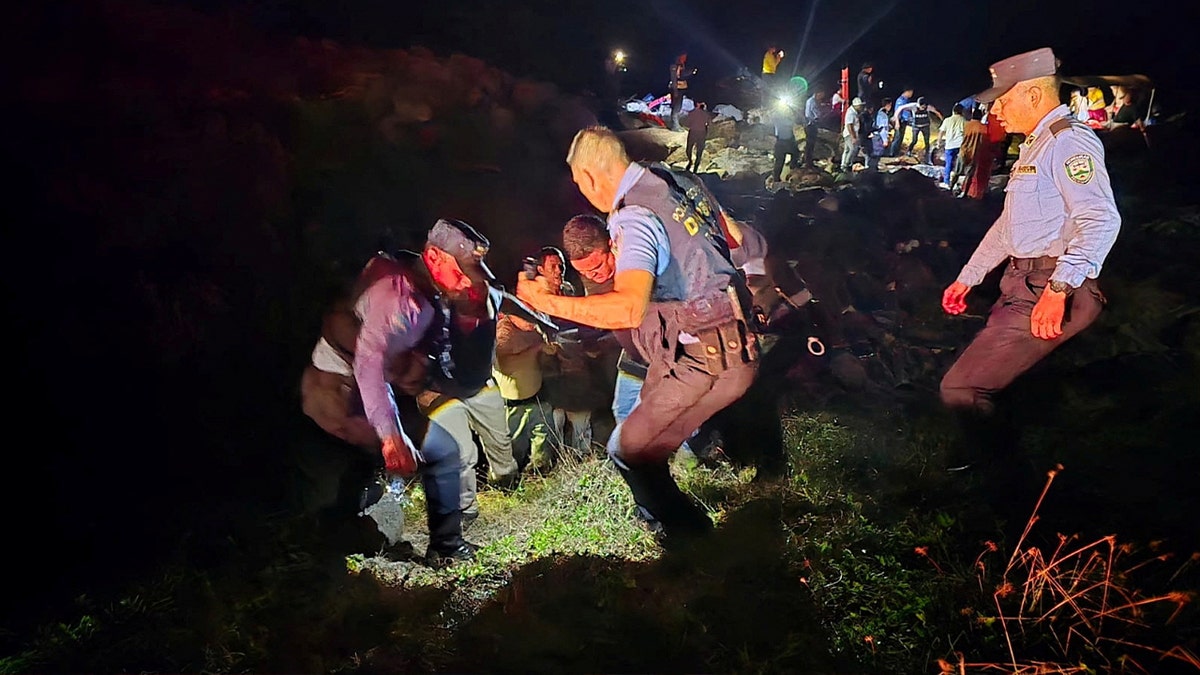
pixel 1080 168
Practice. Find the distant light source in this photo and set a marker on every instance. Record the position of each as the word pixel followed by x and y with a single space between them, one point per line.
pixel 784 101
pixel 618 59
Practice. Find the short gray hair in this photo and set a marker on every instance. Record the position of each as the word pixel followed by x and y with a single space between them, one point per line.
pixel 597 147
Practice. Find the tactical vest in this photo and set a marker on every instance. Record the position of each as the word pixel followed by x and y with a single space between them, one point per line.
pixel 459 364
pixel 714 293
pixel 920 118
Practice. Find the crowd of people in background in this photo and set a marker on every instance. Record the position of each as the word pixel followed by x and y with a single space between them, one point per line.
pixel 969 144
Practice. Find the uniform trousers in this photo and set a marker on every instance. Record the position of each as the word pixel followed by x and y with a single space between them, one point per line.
pixel 1006 347
pixel 675 399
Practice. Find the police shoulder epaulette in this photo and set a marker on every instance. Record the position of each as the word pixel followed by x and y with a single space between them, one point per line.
pixel 1060 125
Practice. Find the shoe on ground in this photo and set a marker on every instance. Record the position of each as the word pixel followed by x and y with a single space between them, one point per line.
pixel 506 483
pixel 441 559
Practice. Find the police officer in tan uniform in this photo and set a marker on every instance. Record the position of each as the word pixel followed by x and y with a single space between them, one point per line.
pixel 1058 224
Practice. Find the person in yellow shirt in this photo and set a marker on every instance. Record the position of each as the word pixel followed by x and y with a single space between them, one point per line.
pixel 771 61
pixel 769 65
pixel 1097 108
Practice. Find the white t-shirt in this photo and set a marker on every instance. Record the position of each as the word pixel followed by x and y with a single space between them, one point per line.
pixel 851 123
pixel 952 131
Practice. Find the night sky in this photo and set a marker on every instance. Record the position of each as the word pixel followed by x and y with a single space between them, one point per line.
pixel 940 47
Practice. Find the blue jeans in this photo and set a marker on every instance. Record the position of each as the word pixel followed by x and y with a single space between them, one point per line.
pixel 628 392
pixel 441 475
pixel 950 158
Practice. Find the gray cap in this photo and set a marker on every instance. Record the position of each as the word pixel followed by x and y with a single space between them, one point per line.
pixel 1014 69
pixel 464 243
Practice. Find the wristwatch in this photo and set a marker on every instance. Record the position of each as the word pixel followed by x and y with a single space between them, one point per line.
pixel 1061 287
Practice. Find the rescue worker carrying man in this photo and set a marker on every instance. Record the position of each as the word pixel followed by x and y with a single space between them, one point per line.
pixel 676 287
pixel 428 328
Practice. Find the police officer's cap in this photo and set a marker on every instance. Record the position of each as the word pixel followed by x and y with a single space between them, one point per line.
pixel 1007 73
pixel 465 243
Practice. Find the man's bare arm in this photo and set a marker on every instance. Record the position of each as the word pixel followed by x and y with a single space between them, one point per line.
pixel 623 307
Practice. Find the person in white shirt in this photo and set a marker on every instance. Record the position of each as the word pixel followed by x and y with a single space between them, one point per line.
pixel 951 135
pixel 850 138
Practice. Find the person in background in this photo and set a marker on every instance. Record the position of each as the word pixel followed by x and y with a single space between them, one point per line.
pixel 569 385
pixel 880 137
pixel 950 137
pixel 986 154
pixel 678 87
pixel 901 121
pixel 850 134
pixel 1124 108
pixel 697 124
pixel 866 82
pixel 783 120
pixel 974 136
pixel 866 136
pixel 520 345
pixel 552 265
pixel 921 124
pixel 1097 108
pixel 814 112
pixel 770 64
pixel 1079 104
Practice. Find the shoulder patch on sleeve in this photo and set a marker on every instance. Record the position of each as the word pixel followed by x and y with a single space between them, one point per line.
pixel 1080 168
pixel 1060 125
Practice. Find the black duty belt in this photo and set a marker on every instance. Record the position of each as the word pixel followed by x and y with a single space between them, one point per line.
pixel 630 366
pixel 1046 262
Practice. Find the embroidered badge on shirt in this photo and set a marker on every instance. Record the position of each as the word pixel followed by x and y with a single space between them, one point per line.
pixel 1024 169
pixel 1080 168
